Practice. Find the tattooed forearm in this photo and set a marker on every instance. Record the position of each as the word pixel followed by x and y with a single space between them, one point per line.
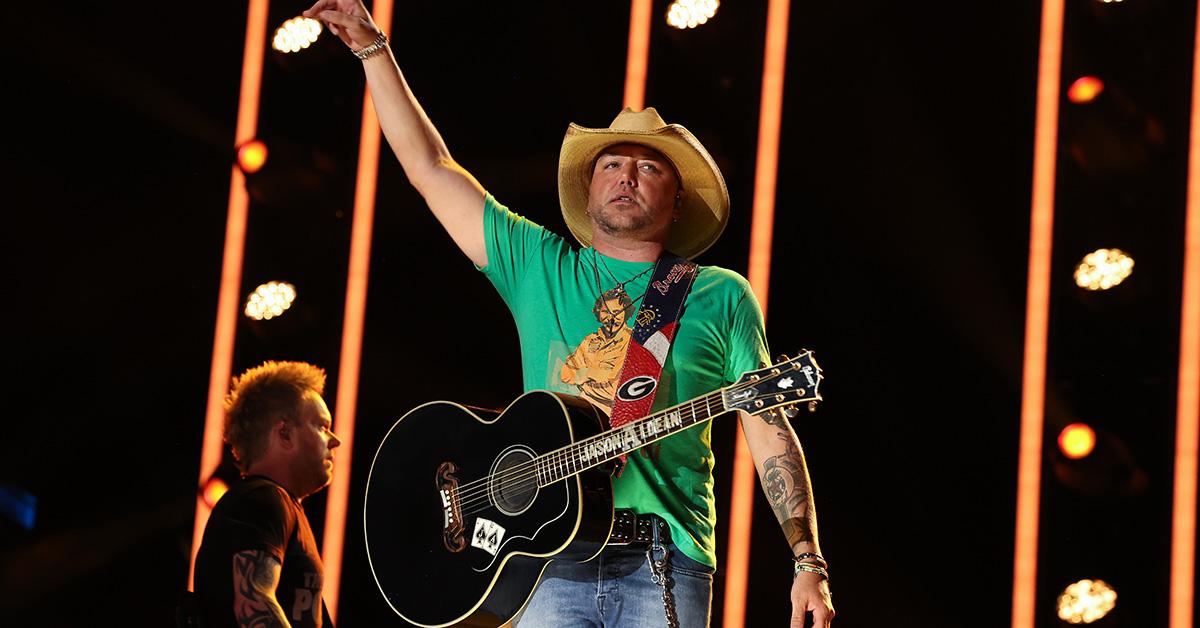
pixel 798 530
pixel 773 418
pixel 786 483
pixel 255 576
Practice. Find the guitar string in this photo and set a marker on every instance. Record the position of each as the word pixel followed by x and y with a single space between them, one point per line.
pixel 555 457
pixel 519 480
pixel 522 484
pixel 563 453
pixel 470 495
pixel 473 494
pixel 522 480
pixel 526 474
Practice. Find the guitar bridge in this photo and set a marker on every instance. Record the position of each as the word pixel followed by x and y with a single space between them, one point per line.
pixel 452 520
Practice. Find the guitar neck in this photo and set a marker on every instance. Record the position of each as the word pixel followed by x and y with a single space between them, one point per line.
pixel 608 446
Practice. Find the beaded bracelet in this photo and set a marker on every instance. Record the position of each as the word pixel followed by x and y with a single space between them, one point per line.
pixel 817 557
pixel 370 49
pixel 810 569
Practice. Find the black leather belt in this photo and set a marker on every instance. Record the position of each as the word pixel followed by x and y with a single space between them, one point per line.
pixel 630 527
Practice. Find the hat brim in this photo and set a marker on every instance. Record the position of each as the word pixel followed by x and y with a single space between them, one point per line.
pixel 704 203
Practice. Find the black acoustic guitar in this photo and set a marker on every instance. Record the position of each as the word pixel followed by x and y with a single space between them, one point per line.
pixel 463 513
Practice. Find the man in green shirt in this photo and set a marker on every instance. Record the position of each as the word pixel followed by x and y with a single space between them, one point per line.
pixel 629 193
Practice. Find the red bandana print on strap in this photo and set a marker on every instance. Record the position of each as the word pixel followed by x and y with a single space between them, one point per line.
pixel 654 329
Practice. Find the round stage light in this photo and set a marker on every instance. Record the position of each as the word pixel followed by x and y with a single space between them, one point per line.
pixel 1086 601
pixel 213 490
pixel 1085 89
pixel 270 300
pixel 296 34
pixel 691 13
pixel 251 156
pixel 1103 269
pixel 1077 440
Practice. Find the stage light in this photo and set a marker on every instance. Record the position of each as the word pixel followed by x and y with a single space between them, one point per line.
pixel 1086 601
pixel 1109 1
pixel 19 505
pixel 1077 440
pixel 296 34
pixel 691 13
pixel 251 156
pixel 214 488
pixel 1085 89
pixel 1103 269
pixel 270 300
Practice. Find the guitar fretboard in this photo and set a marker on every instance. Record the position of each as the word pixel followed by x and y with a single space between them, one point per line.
pixel 610 445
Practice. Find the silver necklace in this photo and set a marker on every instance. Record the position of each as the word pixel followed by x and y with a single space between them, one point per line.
pixel 616 292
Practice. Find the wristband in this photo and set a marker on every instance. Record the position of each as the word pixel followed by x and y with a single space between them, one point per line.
pixel 372 48
pixel 820 571
pixel 820 560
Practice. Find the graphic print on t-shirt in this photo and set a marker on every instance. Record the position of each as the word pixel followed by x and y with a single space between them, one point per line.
pixel 595 364
pixel 594 367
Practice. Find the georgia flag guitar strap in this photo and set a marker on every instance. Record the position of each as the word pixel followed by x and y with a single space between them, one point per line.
pixel 654 329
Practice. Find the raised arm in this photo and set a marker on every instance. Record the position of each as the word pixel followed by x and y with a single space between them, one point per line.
pixel 255 577
pixel 784 477
pixel 454 196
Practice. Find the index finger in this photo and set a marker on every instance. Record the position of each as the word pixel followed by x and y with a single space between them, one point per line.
pixel 320 5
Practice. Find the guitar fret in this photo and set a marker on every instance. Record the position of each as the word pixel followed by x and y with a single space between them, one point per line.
pixel 607 446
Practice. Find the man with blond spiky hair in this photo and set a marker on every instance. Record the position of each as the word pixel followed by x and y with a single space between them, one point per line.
pixel 258 563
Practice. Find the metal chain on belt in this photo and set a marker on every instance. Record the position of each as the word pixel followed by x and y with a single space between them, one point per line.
pixel 659 574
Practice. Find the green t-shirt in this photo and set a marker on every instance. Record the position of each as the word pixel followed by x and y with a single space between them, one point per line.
pixel 551 289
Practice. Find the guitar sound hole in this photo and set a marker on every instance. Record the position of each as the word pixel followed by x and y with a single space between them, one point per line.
pixel 513 482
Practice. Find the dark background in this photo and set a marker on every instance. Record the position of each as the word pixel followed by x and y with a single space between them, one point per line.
pixel 901 244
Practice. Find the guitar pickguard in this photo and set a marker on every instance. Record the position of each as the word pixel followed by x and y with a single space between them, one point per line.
pixel 566 503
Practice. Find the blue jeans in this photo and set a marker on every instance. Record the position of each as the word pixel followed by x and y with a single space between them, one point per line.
pixel 614 590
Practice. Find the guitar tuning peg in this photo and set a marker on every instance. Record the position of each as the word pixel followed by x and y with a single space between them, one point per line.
pixel 812 406
pixel 790 411
pixel 783 357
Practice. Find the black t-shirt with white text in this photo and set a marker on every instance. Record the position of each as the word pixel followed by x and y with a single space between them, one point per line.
pixel 258 514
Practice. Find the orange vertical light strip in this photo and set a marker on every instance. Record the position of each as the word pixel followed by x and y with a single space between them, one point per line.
pixel 346 406
pixel 1187 421
pixel 231 266
pixel 636 59
pixel 1037 315
pixel 770 115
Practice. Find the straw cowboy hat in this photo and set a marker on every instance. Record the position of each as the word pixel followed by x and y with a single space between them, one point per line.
pixel 704 205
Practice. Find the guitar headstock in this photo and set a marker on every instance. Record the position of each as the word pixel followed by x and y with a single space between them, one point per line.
pixel 785 385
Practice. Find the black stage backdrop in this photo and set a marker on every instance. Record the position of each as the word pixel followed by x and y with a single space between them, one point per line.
pixel 900 257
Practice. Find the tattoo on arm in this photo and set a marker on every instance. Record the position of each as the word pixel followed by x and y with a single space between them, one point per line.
pixel 773 418
pixel 255 576
pixel 785 481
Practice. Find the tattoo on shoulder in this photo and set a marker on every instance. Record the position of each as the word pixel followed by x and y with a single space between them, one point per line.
pixel 786 485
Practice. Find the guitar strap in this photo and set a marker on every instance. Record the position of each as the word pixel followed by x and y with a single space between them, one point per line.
pixel 654 329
